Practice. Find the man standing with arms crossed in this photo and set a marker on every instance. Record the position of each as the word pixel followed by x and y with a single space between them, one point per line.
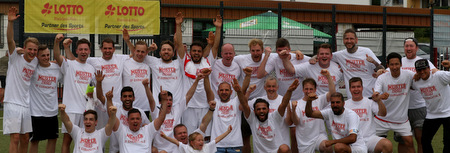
pixel 16 115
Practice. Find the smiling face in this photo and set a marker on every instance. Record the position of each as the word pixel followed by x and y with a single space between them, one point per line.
pixel 134 121
pixel 166 53
pixel 43 57
pixel 197 143
pixel 180 133
pixel 356 89
pixel 271 87
pixel 227 54
pixel 107 50
pixel 30 51
pixel 410 49
pixel 83 52
pixel 324 56
pixel 308 88
pixel 89 123
pixel 224 92
pixel 395 65
pixel 350 40
pixel 140 53
pixel 261 111
pixel 196 54
pixel 127 99
pixel 424 74
pixel 337 105
pixel 256 52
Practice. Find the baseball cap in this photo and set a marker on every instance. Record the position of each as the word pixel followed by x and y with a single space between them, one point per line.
pixel 410 39
pixel 421 64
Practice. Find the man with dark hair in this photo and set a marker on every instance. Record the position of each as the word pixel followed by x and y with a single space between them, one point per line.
pixel 44 101
pixel 366 109
pixel 88 139
pixel 324 56
pixel 265 126
pixel 199 58
pixel 344 124
pixel 279 64
pixel 417 108
pixel 310 133
pixel 127 97
pixel 396 83
pixel 77 75
pixel 435 89
pixel 136 137
pixel 16 115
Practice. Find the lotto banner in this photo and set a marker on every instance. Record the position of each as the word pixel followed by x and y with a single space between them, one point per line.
pixel 59 16
pixel 138 17
pixel 92 16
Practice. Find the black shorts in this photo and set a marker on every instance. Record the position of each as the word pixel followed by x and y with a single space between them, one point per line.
pixel 44 128
pixel 245 127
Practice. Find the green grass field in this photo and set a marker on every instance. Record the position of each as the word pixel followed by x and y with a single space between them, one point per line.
pixel 4 141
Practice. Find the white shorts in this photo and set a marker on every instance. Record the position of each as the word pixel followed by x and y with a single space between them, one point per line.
pixel 404 129
pixel 313 147
pixel 371 142
pixel 358 149
pixel 76 119
pixel 192 118
pixel 16 119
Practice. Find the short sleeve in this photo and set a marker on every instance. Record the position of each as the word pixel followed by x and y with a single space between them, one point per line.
pixel 325 113
pixel 353 123
pixel 210 147
pixel 64 66
pixel 270 65
pixel 300 69
pixel 75 130
pixel 379 84
pixel 211 58
pixel 374 107
pixel 443 76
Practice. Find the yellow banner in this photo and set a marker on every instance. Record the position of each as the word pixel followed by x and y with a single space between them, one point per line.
pixel 59 16
pixel 92 16
pixel 138 17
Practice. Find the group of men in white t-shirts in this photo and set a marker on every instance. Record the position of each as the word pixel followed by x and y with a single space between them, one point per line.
pixel 196 88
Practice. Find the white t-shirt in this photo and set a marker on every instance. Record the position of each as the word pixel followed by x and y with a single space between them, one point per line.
pixel 88 142
pixel 112 69
pixel 44 90
pixel 133 75
pixel 273 106
pixel 167 75
pixel 199 99
pixel 356 65
pixel 266 137
pixel 306 70
pixel 122 115
pixel 365 109
pixel 343 125
pixel 136 142
pixel 309 129
pixel 221 73
pixel 415 100
pixel 18 79
pixel 171 120
pixel 434 90
pixel 207 148
pixel 398 89
pixel 246 61
pixel 227 114
pixel 77 76
pixel 285 79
